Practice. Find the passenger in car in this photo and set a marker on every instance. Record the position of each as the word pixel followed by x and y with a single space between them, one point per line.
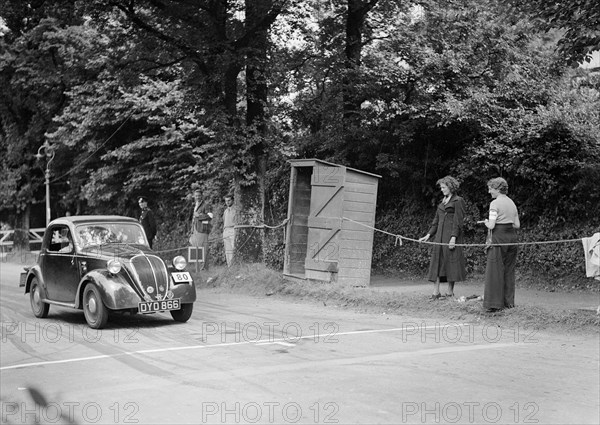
pixel 65 241
pixel 67 249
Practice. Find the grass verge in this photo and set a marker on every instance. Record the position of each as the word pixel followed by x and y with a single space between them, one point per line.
pixel 258 280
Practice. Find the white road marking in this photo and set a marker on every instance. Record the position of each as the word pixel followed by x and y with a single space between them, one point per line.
pixel 285 344
pixel 283 341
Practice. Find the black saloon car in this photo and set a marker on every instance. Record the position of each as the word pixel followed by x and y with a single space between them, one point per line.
pixel 103 264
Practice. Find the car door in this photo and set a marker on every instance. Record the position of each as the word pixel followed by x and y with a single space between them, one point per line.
pixel 60 266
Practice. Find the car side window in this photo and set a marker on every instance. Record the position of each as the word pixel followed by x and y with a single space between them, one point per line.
pixel 62 241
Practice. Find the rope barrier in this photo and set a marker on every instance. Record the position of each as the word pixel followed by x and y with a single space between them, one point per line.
pixel 187 246
pixel 261 226
pixel 400 238
pixel 241 226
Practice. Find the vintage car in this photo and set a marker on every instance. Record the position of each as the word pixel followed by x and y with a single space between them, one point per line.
pixel 103 264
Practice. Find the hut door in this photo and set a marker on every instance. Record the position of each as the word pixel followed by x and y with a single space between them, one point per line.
pixel 324 221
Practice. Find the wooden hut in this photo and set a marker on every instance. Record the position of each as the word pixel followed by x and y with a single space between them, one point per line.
pixel 321 243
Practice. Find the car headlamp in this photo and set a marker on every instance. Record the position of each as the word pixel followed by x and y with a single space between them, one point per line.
pixel 113 266
pixel 179 262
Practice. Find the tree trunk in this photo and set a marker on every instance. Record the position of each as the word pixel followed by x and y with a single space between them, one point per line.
pixel 231 90
pixel 250 199
pixel 248 239
pixel 256 79
pixel 21 236
pixel 357 13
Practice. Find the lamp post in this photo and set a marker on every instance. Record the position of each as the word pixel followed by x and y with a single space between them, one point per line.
pixel 48 152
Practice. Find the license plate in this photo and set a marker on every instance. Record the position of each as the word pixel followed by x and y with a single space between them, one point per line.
pixel 162 305
pixel 181 277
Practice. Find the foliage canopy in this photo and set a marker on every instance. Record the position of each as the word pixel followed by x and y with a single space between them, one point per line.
pixel 154 97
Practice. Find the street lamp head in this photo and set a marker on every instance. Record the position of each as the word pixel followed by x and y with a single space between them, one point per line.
pixel 48 150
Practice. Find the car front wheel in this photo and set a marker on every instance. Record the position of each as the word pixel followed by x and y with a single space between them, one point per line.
pixel 96 313
pixel 184 313
pixel 39 308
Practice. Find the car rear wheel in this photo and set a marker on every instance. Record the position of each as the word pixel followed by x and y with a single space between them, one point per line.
pixel 96 313
pixel 184 313
pixel 39 308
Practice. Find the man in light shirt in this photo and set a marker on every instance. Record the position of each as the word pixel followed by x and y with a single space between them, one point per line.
pixel 229 221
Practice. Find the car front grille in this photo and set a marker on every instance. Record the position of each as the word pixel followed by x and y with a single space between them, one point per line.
pixel 151 274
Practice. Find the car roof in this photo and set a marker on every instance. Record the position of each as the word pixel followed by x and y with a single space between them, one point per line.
pixel 83 219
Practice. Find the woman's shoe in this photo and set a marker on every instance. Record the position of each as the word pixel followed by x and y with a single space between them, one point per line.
pixel 449 295
pixel 435 297
pixel 492 310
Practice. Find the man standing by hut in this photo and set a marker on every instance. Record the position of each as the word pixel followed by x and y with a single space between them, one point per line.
pixel 201 225
pixel 147 220
pixel 229 220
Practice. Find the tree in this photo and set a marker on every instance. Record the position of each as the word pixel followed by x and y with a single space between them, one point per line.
pixel 201 50
pixel 579 19
pixel 35 66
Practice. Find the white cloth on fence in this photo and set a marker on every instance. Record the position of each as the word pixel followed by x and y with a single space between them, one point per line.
pixel 591 248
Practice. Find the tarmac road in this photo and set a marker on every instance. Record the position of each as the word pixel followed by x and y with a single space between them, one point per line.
pixel 242 359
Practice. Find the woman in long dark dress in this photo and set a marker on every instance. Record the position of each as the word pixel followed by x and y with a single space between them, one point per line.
pixel 503 221
pixel 447 261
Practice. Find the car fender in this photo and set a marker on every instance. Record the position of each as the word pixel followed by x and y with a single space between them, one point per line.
pixel 185 291
pixel 115 291
pixel 35 271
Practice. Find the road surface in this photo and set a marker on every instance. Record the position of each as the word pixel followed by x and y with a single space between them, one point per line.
pixel 243 359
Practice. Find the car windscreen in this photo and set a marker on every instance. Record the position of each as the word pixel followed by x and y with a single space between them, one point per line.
pixel 87 235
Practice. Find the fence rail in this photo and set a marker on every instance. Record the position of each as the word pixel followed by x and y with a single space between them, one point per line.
pixel 7 238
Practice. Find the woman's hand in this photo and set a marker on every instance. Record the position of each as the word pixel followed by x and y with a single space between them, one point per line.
pixel 487 223
pixel 451 244
pixel 490 224
pixel 424 238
